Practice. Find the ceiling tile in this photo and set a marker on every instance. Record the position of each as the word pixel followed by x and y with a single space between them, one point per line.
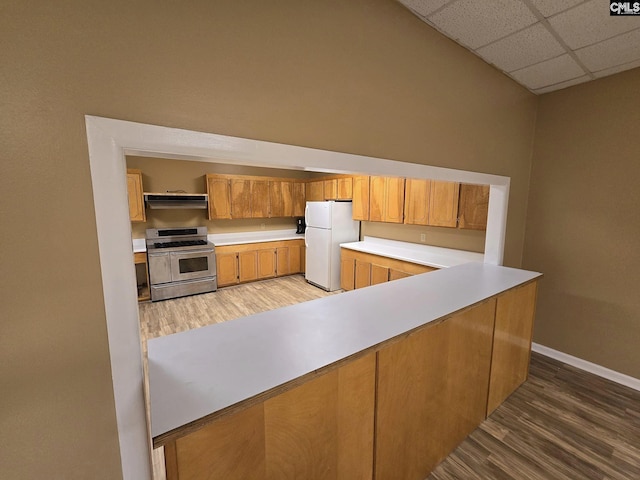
pixel 549 72
pixel 424 7
pixel 526 47
pixel 622 49
pixel 475 23
pixel 560 86
pixel 591 23
pixel 617 69
pixel 551 7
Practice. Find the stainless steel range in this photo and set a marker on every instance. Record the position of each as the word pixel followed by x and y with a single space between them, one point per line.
pixel 181 262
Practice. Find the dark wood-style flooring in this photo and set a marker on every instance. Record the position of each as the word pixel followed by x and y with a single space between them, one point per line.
pixel 563 423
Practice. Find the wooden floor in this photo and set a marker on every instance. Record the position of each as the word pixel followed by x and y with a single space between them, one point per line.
pixel 562 424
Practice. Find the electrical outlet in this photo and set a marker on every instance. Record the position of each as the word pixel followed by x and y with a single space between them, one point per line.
pixel 423 237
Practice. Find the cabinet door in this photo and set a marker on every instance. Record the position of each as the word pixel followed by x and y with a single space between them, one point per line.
pixel 330 189
pixel 443 205
pixel 303 259
pixel 347 272
pixel 431 392
pixel 295 259
pixel 259 199
pixel 376 199
pixel 397 274
pixel 394 199
pixel 345 188
pixel 360 198
pixel 283 266
pixel 267 263
pixel 136 196
pixel 315 191
pixel 379 274
pixel 219 191
pixel 276 207
pixel 363 274
pixel 474 207
pixel 299 200
pixel 248 266
pixel 240 198
pixel 287 199
pixel 227 268
pixel 416 201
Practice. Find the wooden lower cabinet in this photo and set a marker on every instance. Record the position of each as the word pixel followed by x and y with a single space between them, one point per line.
pixel 247 266
pixel 363 274
pixel 397 410
pixel 347 271
pixel 227 268
pixel 322 429
pixel 379 274
pixel 359 269
pixel 432 391
pixel 256 261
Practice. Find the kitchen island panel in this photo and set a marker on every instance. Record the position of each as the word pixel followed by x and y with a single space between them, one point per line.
pixel 432 391
pixel 512 342
pixel 321 430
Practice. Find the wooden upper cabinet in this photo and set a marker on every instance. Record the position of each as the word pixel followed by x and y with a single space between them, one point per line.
pixel 376 199
pixel 287 199
pixel 135 192
pixel 360 193
pixel 386 199
pixel 330 189
pixel 344 188
pixel 394 200
pixel 443 205
pixel 416 201
pixel 299 201
pixel 219 191
pixel 259 199
pixel 240 198
pixel 474 207
pixel 276 199
pixel 315 191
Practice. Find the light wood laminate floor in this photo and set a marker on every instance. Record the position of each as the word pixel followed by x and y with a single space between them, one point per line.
pixel 563 423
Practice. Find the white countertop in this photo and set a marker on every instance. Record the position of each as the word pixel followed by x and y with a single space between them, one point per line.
pixel 196 373
pixel 220 239
pixel 428 255
pixel 139 245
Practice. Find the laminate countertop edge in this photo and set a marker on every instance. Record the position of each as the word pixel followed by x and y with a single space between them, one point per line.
pixel 428 255
pixel 194 374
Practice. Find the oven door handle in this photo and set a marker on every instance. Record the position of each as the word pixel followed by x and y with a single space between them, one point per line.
pixel 194 252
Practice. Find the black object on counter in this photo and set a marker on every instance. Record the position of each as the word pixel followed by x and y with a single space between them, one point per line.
pixel 301 225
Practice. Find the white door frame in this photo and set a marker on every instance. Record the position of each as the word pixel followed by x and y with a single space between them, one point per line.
pixel 110 140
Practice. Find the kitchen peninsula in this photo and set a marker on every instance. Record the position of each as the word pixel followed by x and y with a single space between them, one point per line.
pixel 303 391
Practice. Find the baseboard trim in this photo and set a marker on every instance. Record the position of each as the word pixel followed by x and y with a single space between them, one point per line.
pixel 594 368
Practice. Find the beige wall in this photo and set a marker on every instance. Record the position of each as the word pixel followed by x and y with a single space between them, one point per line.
pixel 583 228
pixel 471 240
pixel 363 76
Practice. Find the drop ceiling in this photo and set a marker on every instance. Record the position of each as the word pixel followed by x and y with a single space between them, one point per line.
pixel 544 45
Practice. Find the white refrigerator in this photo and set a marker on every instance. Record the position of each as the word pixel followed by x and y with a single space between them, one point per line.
pixel 328 225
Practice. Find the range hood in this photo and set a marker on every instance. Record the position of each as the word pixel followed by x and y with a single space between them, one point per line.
pixel 176 200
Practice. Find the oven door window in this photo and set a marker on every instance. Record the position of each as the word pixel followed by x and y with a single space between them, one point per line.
pixel 191 265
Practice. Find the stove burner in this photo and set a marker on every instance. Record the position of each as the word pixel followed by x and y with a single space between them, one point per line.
pixel 180 243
